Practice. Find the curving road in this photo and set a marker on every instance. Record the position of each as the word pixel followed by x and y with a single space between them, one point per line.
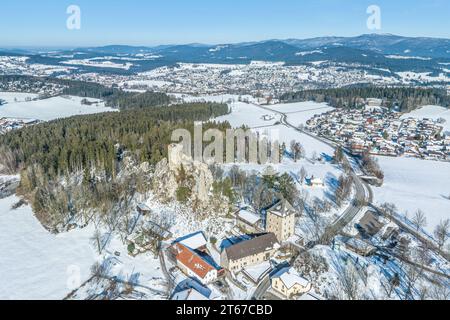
pixel 361 196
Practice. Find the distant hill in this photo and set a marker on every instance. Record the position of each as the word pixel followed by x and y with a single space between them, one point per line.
pixel 383 43
pixel 379 43
pixel 379 51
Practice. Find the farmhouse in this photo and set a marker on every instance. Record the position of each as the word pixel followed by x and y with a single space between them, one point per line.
pixel 194 264
pixel 289 283
pixel 195 241
pixel 250 252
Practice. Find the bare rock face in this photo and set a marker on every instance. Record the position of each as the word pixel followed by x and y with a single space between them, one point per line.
pixel 164 181
pixel 197 178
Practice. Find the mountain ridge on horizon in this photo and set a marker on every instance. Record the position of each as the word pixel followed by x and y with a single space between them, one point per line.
pixel 321 39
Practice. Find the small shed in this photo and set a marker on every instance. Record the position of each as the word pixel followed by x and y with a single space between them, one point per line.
pixel 143 209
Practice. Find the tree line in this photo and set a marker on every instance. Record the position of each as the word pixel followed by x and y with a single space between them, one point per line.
pixel 113 96
pixel 71 144
pixel 405 98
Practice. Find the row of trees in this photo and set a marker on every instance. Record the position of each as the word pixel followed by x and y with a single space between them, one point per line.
pixel 343 189
pixel 73 144
pixel 371 166
pixel 354 97
pixel 441 232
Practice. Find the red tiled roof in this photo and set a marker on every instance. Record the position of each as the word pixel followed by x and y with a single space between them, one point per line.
pixel 192 261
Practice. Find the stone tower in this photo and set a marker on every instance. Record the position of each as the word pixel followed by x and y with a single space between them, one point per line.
pixel 280 220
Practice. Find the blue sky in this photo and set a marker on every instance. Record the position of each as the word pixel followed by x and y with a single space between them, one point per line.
pixel 151 22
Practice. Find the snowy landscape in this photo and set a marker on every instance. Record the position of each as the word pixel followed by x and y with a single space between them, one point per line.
pixel 47 109
pixel 334 184
pixel 70 256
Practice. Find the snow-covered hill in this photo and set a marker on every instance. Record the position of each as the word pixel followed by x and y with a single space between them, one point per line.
pixel 47 109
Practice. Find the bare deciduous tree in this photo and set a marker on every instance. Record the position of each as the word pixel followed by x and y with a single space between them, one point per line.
pixel 441 232
pixel 419 220
pixel 393 283
pixel 440 291
pixel 8 161
pixel 96 240
pixel 297 150
pixel 302 175
pixel 98 270
pixel 412 274
pixel 348 277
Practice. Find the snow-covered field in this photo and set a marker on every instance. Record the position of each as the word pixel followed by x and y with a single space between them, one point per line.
pixel 432 112
pixel 47 109
pixel 249 115
pixel 19 65
pixel 408 76
pixel 36 264
pixel 15 97
pixel 99 64
pixel 413 184
pixel 311 145
pixel 252 116
pixel 299 112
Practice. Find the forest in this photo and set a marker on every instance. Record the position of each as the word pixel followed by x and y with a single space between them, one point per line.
pixel 71 144
pixel 406 99
pixel 93 149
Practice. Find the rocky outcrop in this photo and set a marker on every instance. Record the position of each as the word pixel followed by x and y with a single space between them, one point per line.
pixel 181 170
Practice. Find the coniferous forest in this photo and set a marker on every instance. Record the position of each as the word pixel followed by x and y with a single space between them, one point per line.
pixel 93 147
pixel 406 99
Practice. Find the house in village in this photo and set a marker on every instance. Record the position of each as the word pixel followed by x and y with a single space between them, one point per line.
pixel 288 283
pixel 193 258
pixel 248 221
pixel 253 251
pixel 359 247
pixel 370 224
pixel 280 220
pixel 192 290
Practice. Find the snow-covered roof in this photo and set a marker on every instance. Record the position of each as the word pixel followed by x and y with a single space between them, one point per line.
pixel 143 207
pixel 316 181
pixel 310 296
pixel 290 277
pixel 259 271
pixel 189 294
pixel 248 216
pixel 282 208
pixel 193 241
